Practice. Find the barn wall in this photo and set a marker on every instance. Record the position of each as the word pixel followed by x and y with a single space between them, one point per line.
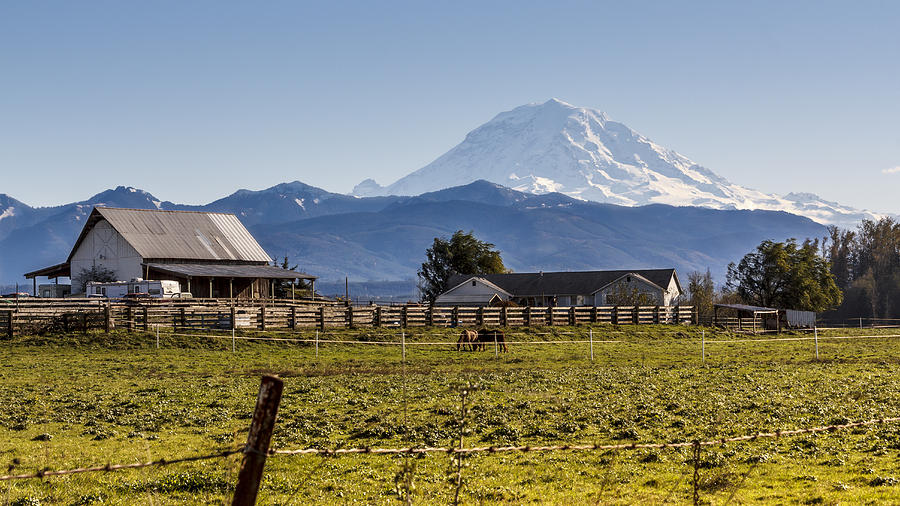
pixel 103 246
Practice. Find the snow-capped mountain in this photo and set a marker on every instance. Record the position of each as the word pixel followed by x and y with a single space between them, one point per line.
pixel 557 147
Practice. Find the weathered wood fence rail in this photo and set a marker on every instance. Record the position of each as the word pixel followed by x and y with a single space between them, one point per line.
pixel 70 315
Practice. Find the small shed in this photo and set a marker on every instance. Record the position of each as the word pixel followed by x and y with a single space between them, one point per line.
pixel 760 318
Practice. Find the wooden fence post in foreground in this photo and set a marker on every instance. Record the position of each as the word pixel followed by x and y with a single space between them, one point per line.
pixel 258 440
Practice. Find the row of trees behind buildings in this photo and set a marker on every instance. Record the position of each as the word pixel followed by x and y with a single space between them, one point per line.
pixel 865 264
pixel 847 274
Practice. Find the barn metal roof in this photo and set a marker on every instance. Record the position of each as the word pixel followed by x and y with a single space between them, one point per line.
pixel 187 235
pixel 54 271
pixel 200 270
pixel 529 284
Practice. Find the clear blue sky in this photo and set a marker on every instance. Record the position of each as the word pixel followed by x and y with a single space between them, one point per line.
pixel 191 100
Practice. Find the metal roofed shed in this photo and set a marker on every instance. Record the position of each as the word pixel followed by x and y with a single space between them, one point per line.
pixel 230 271
pixel 179 234
pixel 210 254
pixel 762 318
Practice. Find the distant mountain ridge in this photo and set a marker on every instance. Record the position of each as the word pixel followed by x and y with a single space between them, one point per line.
pixel 384 238
pixel 580 152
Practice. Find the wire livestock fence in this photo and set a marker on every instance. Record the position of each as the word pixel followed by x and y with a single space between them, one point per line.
pixel 258 449
pixel 577 342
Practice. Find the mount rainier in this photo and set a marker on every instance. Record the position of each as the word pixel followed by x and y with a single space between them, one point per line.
pixel 557 147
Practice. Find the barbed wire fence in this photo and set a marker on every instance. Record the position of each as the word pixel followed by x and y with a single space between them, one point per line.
pixel 257 449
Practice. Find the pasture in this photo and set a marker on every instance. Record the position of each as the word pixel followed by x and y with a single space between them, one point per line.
pixel 73 400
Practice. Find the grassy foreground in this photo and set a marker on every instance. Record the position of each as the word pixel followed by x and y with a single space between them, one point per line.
pixel 74 400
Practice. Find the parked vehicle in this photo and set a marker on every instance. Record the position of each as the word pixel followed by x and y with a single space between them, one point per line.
pixel 159 289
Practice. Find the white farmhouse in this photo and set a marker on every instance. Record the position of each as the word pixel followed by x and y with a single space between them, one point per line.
pixel 586 288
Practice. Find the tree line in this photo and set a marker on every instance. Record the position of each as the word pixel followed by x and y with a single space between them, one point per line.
pixel 865 264
pixel 846 274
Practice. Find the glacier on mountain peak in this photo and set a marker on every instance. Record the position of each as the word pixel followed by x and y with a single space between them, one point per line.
pixel 555 146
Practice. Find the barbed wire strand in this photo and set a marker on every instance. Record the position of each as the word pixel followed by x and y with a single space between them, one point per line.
pixel 624 446
pixel 451 450
pixel 118 467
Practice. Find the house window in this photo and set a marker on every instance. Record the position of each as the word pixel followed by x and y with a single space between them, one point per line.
pixel 473 282
pixel 628 279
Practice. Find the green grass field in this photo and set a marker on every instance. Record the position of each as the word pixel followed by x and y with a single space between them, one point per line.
pixel 76 400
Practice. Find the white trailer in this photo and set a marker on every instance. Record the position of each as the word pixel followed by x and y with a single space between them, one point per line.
pixel 160 289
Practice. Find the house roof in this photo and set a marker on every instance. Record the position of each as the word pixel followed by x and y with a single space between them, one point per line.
pixel 465 279
pixel 750 309
pixel 528 284
pixel 201 270
pixel 187 235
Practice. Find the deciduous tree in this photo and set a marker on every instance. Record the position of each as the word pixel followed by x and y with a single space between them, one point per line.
pixel 463 253
pixel 785 275
pixel 96 273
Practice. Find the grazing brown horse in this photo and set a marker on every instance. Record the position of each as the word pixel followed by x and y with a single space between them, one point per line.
pixel 487 336
pixel 468 339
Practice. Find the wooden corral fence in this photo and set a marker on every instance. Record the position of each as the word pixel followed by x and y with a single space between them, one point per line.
pixel 40 316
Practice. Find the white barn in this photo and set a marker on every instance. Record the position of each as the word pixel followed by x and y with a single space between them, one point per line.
pixel 586 288
pixel 210 254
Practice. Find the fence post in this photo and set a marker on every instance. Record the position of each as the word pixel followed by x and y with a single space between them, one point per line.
pixel 183 319
pixel 146 323
pixel 695 315
pixel 594 313
pixel 84 323
pixel 703 346
pixel 572 316
pixel 615 315
pixel 591 331
pixel 262 318
pixel 377 316
pixel 479 316
pixel 816 333
pixel 232 315
pixel 404 315
pixel 527 315
pixel 696 472
pixel 350 317
pixel 258 440
pixel 454 317
pixel 636 315
pixel 656 315
pixel 9 324
pixel 129 314
pixel 293 317
pixel 503 318
pixel 106 321
pixel 322 317
pixel 429 321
